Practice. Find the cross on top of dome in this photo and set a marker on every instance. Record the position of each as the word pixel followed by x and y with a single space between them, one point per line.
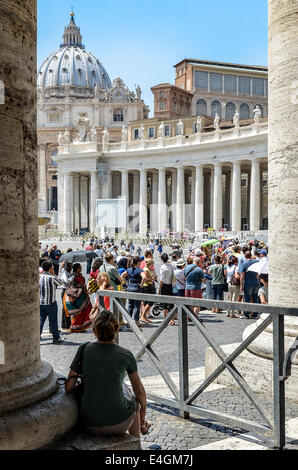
pixel 72 34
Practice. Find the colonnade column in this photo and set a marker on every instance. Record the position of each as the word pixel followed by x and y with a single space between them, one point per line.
pixel 217 198
pixel 32 411
pixel 94 190
pixel 255 196
pixel 162 200
pixel 143 222
pixel 67 202
pixel 60 198
pixel 42 177
pixel 125 192
pixel 154 205
pixel 236 197
pixel 76 202
pixel 180 199
pixel 199 199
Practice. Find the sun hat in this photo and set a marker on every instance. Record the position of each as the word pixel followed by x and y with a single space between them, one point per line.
pixel 180 262
pixel 263 252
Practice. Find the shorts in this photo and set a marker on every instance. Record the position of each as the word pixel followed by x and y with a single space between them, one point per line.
pixel 166 289
pixel 120 428
pixel 149 290
pixel 193 293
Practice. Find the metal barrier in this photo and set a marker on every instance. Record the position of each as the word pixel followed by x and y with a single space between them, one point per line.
pixel 274 427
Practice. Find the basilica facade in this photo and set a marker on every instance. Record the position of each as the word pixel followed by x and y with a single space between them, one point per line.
pixel 72 82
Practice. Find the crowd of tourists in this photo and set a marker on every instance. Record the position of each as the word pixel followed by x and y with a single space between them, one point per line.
pixel 206 271
pixel 108 405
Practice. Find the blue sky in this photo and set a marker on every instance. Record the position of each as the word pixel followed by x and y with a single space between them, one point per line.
pixel 140 41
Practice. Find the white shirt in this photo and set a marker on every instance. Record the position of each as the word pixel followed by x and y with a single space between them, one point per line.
pixel 166 273
pixel 180 278
pixel 231 270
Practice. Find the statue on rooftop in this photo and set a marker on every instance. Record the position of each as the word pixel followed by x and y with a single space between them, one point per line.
pixel 257 114
pixel 161 130
pixel 236 119
pixel 124 133
pixel 180 127
pixel 216 122
pixel 199 124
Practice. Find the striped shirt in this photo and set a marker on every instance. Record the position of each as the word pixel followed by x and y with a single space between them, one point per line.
pixel 47 288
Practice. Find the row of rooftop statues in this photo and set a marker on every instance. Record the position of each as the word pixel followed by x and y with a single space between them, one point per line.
pixel 84 135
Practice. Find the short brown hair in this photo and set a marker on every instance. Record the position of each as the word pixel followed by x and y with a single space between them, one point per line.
pixel 109 257
pixel 106 326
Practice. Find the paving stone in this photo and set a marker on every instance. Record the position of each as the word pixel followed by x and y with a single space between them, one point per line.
pixel 168 428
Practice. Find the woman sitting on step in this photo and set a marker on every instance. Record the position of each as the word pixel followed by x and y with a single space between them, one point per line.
pixel 108 406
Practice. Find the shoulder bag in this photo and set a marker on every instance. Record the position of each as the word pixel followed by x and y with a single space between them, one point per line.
pixel 79 387
pixel 226 285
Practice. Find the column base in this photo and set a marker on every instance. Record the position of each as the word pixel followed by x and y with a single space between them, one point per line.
pixel 39 425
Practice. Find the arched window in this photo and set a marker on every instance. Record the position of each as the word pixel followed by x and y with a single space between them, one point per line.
pixel 201 107
pixel 261 108
pixel 244 111
pixel 230 110
pixel 216 108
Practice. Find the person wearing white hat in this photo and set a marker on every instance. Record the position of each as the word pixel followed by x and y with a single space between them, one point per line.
pixel 180 277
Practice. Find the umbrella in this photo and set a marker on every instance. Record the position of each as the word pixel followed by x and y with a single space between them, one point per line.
pixel 210 242
pixel 78 256
pixel 260 267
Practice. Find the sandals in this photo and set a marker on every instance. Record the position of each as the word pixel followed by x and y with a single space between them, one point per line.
pixel 145 428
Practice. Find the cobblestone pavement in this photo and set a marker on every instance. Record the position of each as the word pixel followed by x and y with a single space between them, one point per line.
pixel 169 431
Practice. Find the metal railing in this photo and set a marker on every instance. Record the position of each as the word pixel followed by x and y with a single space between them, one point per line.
pixel 274 426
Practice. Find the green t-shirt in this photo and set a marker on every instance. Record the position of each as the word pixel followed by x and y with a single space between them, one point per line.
pixel 217 273
pixel 103 368
pixel 112 272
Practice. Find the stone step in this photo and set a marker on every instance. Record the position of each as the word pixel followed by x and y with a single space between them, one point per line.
pixel 78 440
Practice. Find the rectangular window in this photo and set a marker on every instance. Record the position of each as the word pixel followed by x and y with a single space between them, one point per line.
pixel 201 80
pixel 230 83
pixel 168 131
pixel 194 128
pixel 216 81
pixel 258 86
pixel 136 134
pixel 118 115
pixel 151 132
pixel 243 183
pixel 161 105
pixel 162 94
pixel 54 117
pixel 244 85
pixel 174 107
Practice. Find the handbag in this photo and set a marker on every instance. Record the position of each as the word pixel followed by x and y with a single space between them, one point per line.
pixel 226 285
pixel 73 290
pixel 234 281
pixel 79 387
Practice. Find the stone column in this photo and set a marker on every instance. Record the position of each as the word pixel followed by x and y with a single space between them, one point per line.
pixel 236 196
pixel 28 391
pixel 180 199
pixel 162 204
pixel 125 192
pixel 67 202
pixel 143 222
pixel 282 181
pixel 255 196
pixel 76 201
pixel 154 207
pixel 217 197
pixel 60 198
pixel 199 199
pixel 174 200
pixel 94 190
pixel 192 202
pixel 211 197
pixel 84 192
pixel 42 177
